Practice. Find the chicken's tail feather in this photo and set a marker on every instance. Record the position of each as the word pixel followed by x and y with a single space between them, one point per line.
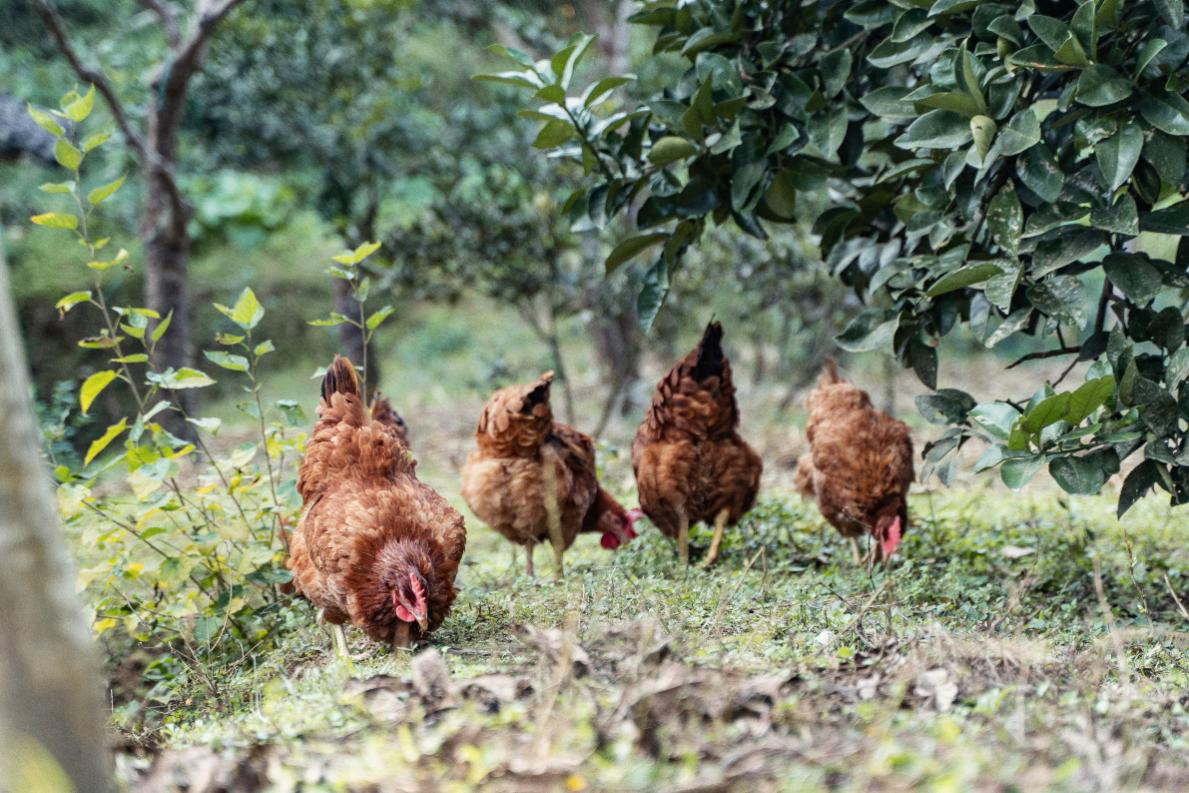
pixel 829 374
pixel 710 357
pixel 340 378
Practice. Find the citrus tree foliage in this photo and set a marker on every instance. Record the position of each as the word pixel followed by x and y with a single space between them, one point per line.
pixel 1016 168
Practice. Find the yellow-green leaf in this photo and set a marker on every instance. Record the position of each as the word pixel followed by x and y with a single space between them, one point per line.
pixel 56 220
pixel 162 326
pixel 70 301
pixel 46 121
pixel 92 386
pixel 359 254
pixel 101 194
pixel 247 311
pixel 96 140
pixel 80 107
pixel 66 155
pixel 101 443
pixel 57 187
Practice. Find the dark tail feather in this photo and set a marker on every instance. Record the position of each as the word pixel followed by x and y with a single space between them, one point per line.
pixel 710 357
pixel 340 378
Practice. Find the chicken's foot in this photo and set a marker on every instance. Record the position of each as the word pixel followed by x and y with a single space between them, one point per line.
pixel 720 523
pixel 340 642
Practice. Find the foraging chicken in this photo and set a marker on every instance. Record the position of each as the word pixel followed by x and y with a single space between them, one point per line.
pixel 374 546
pixel 532 479
pixel 690 463
pixel 859 464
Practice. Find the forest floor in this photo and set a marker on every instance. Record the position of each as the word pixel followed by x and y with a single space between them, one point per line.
pixel 1016 643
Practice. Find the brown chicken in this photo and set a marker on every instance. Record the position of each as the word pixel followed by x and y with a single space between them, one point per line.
pixel 690 463
pixel 383 412
pixel 859 464
pixel 374 546
pixel 532 479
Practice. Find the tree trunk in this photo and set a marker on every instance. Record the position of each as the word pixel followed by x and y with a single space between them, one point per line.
pixel 49 692
pixel 352 340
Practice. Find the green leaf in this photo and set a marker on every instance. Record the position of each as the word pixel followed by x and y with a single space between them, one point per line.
pixel 1018 471
pixel 1040 173
pixel 1147 53
pixel 1100 85
pixel 80 107
pixel 946 406
pixel 964 73
pixel 235 363
pixel 70 301
pixel 45 121
pixel 630 248
pixel 264 348
pixel 1060 297
pixel 995 419
pixel 565 61
pixel 66 155
pixel 93 386
pixel 102 442
pixel 56 187
pixel 379 316
pixel 983 129
pixel 598 90
pixel 1166 112
pixel 1118 155
pixel 161 327
pixel 1134 275
pixel 1088 397
pixel 516 78
pixel 937 129
pixel 56 220
pixel 1172 11
pixel 1005 219
pixel 1079 475
pixel 95 141
pixel 553 134
pixel 861 336
pixel 333 319
pixel 969 275
pixel 247 311
pixel 136 357
pixel 1122 218
pixel 653 291
pixel 1019 134
pixel 670 149
pixel 1137 484
pixel 101 194
pixel 351 258
pixel 175 379
pixel 1170 220
pixel 1047 411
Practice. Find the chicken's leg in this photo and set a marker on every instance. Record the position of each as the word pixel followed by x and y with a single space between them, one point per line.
pixel 340 642
pixel 720 522
pixel 683 541
pixel 528 555
pixel 854 546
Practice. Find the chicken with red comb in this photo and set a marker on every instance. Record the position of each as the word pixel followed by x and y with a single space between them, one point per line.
pixel 859 465
pixel 375 547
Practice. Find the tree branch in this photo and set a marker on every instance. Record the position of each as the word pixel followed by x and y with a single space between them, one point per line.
pixel 1033 356
pixel 57 29
pixel 169 21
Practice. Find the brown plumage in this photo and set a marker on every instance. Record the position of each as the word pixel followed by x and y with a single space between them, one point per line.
pixel 383 412
pixel 374 546
pixel 690 463
pixel 859 465
pixel 523 456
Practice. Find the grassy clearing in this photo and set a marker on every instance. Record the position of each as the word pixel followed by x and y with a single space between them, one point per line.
pixel 991 656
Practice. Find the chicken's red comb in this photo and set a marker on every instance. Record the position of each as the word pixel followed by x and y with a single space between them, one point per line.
pixel 609 541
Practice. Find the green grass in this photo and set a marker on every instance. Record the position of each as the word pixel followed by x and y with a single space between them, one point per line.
pixel 782 668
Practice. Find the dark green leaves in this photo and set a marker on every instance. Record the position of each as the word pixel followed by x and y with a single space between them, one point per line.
pixel 937 129
pixel 1118 154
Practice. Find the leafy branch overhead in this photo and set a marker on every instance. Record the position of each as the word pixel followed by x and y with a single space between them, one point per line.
pixel 1011 168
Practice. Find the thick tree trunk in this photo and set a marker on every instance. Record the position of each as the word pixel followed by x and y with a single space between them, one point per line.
pixel 167 248
pixel 49 690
